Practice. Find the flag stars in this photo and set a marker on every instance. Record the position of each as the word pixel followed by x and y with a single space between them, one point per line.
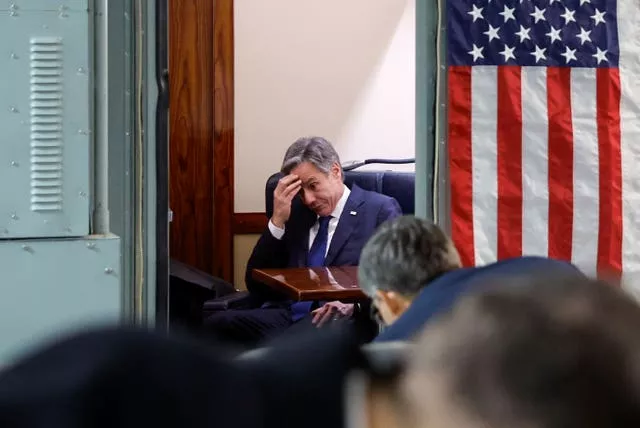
pixel 492 33
pixel 569 54
pixel 539 54
pixel 584 36
pixel 584 2
pixel 600 55
pixel 538 14
pixel 598 17
pixel 553 34
pixel 523 34
pixel 476 12
pixel 568 16
pixel 508 53
pixel 507 14
pixel 476 52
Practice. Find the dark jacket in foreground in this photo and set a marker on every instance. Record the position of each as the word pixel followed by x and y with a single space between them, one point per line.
pixel 441 294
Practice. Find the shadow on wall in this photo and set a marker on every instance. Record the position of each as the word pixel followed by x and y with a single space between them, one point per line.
pixel 334 68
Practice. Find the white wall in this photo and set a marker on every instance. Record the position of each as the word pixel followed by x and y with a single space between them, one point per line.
pixel 341 69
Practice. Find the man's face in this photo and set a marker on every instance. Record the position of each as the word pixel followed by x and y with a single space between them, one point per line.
pixel 320 191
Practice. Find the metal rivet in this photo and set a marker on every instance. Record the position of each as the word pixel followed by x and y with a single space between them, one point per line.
pixel 13 55
pixel 82 132
pixel 127 134
pixel 81 70
pixel 14 163
pixel 82 194
pixel 14 216
pixel 108 270
pixel 13 13
pixel 13 109
pixel 26 247
pixel 91 245
pixel 67 229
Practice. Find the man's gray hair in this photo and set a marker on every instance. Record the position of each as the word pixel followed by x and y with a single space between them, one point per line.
pixel 404 255
pixel 315 150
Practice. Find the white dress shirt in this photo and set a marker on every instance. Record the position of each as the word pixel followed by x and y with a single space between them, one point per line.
pixel 278 232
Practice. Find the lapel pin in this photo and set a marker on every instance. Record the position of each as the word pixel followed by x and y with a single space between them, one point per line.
pixel 353 213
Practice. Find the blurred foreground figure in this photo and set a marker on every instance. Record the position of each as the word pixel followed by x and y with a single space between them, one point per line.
pixel 552 353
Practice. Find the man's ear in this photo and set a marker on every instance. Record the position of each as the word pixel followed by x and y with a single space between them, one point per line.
pixel 396 303
pixel 336 170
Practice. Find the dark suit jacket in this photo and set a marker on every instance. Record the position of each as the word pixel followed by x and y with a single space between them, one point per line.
pixel 441 294
pixel 352 233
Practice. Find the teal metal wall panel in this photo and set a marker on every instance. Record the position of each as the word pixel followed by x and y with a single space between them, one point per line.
pixel 60 6
pixel 45 120
pixel 54 286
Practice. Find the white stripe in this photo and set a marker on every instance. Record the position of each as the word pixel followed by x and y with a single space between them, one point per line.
pixel 629 41
pixel 484 146
pixel 535 162
pixel 585 169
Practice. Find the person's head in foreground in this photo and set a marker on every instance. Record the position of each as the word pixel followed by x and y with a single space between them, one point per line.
pixel 401 258
pixel 554 353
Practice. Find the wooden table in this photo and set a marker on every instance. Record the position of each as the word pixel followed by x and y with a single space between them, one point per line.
pixel 325 283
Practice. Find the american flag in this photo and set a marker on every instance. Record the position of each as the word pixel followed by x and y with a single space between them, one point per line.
pixel 544 130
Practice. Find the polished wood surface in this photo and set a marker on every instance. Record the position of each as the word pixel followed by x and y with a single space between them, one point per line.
pixel 223 129
pixel 249 223
pixel 201 134
pixel 327 283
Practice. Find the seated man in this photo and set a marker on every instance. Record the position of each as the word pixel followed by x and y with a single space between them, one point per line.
pixel 317 221
pixel 411 270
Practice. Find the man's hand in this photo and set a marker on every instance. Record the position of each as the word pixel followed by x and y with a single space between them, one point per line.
pixel 331 311
pixel 287 188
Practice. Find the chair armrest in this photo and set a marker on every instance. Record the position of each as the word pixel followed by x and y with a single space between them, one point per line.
pixel 237 300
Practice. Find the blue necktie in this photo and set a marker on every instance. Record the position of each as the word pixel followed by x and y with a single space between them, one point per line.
pixel 315 258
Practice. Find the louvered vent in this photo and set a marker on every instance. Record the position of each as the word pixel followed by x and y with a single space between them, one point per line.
pixel 46 124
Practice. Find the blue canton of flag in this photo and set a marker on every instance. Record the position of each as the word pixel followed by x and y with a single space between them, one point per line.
pixel 567 33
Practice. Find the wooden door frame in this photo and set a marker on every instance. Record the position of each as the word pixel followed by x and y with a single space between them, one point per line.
pixel 201 74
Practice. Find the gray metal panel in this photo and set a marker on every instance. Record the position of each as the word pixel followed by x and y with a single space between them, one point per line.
pixel 45 122
pixel 50 287
pixel 61 6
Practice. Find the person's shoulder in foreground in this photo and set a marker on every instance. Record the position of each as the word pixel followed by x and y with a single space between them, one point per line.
pixel 440 295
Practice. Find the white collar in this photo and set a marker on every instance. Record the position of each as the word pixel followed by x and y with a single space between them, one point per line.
pixel 337 211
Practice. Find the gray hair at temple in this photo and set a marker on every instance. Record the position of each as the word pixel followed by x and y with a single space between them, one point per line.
pixel 404 255
pixel 315 150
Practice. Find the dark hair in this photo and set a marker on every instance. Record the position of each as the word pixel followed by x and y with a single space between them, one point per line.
pixel 315 150
pixel 404 255
pixel 550 352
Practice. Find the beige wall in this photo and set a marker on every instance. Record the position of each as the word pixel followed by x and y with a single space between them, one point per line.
pixel 342 69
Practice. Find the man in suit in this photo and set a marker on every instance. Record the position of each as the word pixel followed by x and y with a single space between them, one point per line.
pixel 317 221
pixel 412 271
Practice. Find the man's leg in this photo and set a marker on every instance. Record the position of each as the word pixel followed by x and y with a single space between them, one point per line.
pixel 248 326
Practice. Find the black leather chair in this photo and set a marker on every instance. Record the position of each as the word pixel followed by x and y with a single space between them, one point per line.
pixel 399 185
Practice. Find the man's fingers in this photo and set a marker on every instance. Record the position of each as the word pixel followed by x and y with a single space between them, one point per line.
pixel 318 314
pixel 326 317
pixel 287 180
pixel 292 189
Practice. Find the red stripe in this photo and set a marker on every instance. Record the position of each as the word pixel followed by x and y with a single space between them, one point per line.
pixel 509 162
pixel 610 173
pixel 560 162
pixel 460 163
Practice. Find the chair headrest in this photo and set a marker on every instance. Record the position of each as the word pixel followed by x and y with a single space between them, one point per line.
pixel 398 185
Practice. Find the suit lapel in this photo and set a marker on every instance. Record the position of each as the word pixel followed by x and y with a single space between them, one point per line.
pixel 346 224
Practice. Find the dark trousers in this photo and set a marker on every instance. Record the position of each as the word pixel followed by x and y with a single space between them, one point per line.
pixel 253 327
